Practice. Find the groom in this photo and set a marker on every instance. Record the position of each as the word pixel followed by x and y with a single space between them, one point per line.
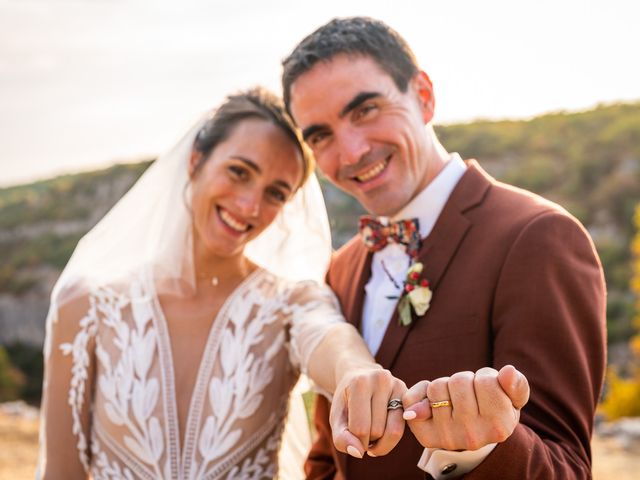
pixel 507 277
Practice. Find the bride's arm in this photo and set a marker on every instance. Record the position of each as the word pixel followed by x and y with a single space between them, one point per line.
pixel 68 383
pixel 336 358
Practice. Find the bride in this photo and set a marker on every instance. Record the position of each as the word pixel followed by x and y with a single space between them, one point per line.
pixel 184 318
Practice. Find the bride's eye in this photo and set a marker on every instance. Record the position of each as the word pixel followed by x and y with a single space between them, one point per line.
pixel 277 195
pixel 238 172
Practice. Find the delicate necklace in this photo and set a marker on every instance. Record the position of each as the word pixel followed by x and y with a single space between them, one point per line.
pixel 214 280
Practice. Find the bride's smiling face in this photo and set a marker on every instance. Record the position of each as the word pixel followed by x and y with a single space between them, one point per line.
pixel 243 185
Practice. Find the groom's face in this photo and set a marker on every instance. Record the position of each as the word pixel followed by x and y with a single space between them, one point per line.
pixel 368 137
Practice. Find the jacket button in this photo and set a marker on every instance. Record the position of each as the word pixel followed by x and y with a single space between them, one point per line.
pixel 449 468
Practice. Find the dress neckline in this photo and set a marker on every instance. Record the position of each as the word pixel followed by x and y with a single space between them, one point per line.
pixel 182 455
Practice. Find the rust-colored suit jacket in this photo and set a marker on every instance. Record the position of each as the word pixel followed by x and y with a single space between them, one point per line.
pixel 516 280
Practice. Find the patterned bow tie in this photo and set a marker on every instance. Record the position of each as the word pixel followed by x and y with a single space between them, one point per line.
pixel 376 236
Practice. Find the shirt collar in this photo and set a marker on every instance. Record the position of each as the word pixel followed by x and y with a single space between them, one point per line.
pixel 428 204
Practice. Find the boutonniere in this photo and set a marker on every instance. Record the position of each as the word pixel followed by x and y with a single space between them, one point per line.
pixel 417 295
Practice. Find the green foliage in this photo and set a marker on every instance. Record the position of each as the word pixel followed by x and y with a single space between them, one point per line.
pixel 11 379
pixel 48 200
pixel 589 161
pixel 28 360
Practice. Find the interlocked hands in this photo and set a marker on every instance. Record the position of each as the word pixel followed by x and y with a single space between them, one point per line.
pixel 483 408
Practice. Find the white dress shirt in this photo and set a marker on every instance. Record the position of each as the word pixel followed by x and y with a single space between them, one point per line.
pixel 426 207
pixel 388 273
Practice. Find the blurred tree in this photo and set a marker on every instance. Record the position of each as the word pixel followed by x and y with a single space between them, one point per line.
pixel 623 391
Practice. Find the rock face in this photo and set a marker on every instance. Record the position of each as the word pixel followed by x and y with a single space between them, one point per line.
pixel 625 430
pixel 22 319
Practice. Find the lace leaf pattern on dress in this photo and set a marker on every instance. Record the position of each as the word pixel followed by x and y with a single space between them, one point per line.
pixel 102 469
pixel 228 434
pixel 238 393
pixel 260 466
pixel 130 397
pixel 102 442
pixel 79 374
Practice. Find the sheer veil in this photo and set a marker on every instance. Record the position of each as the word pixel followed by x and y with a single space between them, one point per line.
pixel 150 229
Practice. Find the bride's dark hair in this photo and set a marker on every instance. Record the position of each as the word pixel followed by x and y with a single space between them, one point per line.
pixel 254 103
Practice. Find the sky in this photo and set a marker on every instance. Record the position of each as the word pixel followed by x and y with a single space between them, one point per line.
pixel 87 83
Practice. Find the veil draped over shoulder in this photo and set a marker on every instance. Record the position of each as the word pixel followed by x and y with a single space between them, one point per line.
pixel 150 229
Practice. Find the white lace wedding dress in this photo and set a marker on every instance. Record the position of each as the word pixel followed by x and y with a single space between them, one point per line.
pixel 112 371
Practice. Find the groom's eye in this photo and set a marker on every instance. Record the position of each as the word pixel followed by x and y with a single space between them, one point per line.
pixel 316 139
pixel 364 110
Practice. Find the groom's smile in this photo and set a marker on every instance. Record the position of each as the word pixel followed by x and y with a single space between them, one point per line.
pixel 372 171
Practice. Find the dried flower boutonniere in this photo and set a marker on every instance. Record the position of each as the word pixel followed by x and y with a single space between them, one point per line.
pixel 417 294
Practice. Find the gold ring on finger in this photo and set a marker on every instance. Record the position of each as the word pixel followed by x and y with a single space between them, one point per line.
pixel 441 403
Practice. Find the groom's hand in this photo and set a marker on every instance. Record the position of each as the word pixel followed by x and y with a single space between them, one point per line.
pixel 476 409
pixel 359 418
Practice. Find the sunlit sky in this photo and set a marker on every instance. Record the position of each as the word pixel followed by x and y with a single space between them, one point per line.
pixel 85 83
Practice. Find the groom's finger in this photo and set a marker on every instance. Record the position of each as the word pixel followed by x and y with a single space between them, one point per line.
pixel 515 385
pixel 464 405
pixel 493 402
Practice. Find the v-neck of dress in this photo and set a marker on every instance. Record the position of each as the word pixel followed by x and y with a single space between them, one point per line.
pixel 181 456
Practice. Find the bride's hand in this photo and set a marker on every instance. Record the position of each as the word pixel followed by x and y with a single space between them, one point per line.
pixel 359 418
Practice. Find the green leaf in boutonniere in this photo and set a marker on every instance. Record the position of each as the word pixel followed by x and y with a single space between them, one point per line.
pixel 404 311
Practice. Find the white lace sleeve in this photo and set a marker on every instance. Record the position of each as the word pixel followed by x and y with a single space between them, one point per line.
pixel 67 389
pixel 313 309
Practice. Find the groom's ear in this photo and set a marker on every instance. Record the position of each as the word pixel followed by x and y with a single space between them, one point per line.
pixel 194 161
pixel 423 87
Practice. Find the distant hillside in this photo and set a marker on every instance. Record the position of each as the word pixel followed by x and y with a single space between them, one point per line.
pixel 40 224
pixel 588 162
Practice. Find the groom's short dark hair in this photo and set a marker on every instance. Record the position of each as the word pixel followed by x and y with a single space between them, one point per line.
pixel 351 36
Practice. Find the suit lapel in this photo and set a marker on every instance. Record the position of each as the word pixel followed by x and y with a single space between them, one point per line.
pixel 437 251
